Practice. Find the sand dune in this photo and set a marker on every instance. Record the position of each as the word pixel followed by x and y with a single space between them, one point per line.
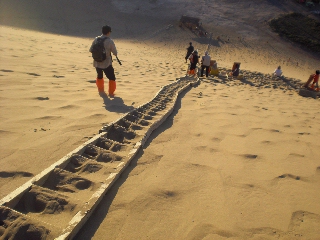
pixel 237 158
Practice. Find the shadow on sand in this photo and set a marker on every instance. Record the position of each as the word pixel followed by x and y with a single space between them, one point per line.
pixel 115 104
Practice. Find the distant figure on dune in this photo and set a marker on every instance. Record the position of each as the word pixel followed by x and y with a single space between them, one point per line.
pixel 278 72
pixel 101 50
pixel 205 63
pixel 194 60
pixel 235 71
pixel 315 79
pixel 189 51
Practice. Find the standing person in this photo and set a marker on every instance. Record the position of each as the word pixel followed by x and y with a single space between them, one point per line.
pixel 194 59
pixel 278 72
pixel 205 63
pixel 105 64
pixel 189 51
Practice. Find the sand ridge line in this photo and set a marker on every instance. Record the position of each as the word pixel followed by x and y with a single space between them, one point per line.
pixel 75 184
pixel 262 81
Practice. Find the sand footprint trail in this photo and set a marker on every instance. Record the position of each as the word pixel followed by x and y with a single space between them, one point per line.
pixel 57 202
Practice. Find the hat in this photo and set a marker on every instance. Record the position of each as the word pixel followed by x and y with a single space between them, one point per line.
pixel 318 72
pixel 106 29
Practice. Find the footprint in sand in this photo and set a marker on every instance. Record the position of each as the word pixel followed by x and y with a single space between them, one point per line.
pixel 304 133
pixel 42 98
pixel 5 174
pixel 318 171
pixel 274 130
pixel 166 194
pixel 290 176
pixel 215 139
pixel 27 227
pixel 56 76
pixel 34 74
pixel 296 155
pixel 300 219
pixel 250 156
pixel 49 203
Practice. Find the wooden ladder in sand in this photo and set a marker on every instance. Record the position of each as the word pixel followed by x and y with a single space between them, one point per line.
pixel 56 203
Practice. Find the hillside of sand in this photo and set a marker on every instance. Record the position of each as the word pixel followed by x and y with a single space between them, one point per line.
pixel 50 105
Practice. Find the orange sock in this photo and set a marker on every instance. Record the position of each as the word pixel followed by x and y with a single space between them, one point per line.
pixel 100 84
pixel 112 87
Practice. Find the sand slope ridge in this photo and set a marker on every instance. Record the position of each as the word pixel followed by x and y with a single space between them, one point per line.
pixel 237 158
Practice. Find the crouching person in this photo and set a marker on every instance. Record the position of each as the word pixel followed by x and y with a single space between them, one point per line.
pixel 314 78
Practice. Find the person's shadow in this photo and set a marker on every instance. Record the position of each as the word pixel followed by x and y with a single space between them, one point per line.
pixel 115 104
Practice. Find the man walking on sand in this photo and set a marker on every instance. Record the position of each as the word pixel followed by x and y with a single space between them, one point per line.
pixel 105 66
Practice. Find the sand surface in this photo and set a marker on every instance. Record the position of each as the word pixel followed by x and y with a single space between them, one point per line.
pixel 237 159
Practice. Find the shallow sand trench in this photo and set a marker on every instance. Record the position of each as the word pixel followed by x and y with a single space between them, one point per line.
pixel 57 202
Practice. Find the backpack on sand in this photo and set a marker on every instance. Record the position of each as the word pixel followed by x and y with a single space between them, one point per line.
pixel 98 51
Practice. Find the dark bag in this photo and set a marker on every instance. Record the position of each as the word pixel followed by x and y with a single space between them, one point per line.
pixel 98 51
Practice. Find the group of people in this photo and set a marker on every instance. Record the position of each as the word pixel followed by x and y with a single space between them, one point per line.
pixel 105 66
pixel 193 57
pixel 313 79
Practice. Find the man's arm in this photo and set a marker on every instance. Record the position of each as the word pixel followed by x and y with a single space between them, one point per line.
pixel 114 49
pixel 115 52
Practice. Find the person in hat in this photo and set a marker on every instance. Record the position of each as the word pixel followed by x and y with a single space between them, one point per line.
pixel 105 66
pixel 189 51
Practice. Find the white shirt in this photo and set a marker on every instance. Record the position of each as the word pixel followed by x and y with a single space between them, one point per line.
pixel 278 72
pixel 206 60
